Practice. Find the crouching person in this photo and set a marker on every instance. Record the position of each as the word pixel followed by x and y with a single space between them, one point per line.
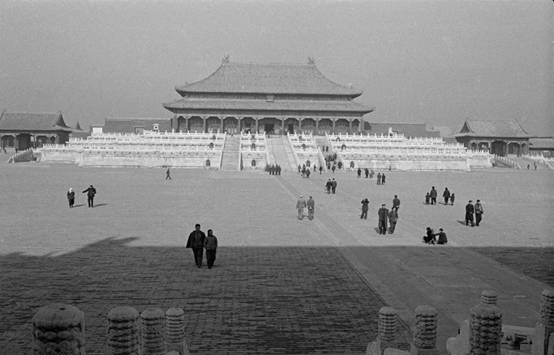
pixel 442 239
pixel 211 247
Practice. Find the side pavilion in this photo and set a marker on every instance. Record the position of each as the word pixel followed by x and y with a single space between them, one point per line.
pixel 27 130
pixel 271 98
pixel 498 137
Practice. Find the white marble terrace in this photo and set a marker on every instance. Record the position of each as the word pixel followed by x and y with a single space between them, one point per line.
pixel 253 151
pixel 305 149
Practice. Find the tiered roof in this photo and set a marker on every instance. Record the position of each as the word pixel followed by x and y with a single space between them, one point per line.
pixel 501 129
pixel 24 121
pixel 268 79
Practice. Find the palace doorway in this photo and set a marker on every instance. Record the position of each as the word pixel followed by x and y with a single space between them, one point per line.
pixel 291 128
pixel 269 128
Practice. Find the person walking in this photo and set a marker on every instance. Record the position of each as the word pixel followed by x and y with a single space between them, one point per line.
pixel 91 191
pixel 395 203
pixel 383 179
pixel 427 198
pixel 359 173
pixel 300 205
pixel 433 195
pixel 311 207
pixel 365 208
pixel 470 210
pixel 320 169
pixel 168 174
pixel 393 218
pixel 334 185
pixel 366 171
pixel 71 197
pixel 383 215
pixel 478 212
pixel 196 242
pixel 446 195
pixel 378 178
pixel 452 198
pixel 210 244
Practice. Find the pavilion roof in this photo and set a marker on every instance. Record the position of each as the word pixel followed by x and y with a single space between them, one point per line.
pixel 407 129
pixel 478 128
pixel 265 105
pixel 243 78
pixel 25 121
pixel 546 143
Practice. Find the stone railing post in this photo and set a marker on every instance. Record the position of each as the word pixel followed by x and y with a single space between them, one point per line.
pixel 152 321
pixel 485 330
pixel 489 297
pixel 425 331
pixel 545 326
pixel 175 331
pixel 123 331
pixel 59 329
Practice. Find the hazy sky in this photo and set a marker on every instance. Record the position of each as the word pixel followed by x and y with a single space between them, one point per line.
pixel 439 62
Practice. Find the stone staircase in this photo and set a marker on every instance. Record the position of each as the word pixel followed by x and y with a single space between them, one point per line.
pixel 231 151
pixel 281 152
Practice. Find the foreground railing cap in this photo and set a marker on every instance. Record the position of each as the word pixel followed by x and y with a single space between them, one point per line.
pixel 58 315
pixel 123 313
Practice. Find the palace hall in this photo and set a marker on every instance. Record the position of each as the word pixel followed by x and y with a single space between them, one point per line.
pixel 270 98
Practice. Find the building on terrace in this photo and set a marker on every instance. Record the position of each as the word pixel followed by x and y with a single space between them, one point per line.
pixel 267 98
pixel 498 137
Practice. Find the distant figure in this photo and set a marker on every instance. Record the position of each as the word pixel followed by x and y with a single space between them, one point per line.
pixel 91 191
pixel 378 178
pixel 334 185
pixel 71 197
pixel 328 186
pixel 393 218
pixel 442 237
pixel 470 210
pixel 535 164
pixel 365 208
pixel 446 195
pixel 478 212
pixel 452 198
pixel 429 237
pixel 315 168
pixel 371 174
pixel 299 168
pixel 366 170
pixel 211 248
pixel 383 179
pixel 196 242
pixel 307 173
pixel 320 169
pixel 311 208
pixel 427 198
pixel 300 205
pixel 433 194
pixel 383 214
pixel 168 174
pixel 395 203
pixel 333 168
pixel 359 172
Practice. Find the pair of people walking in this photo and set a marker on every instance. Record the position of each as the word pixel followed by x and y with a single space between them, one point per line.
pixel 90 191
pixel 380 179
pixel 472 210
pixel 198 241
pixel 387 216
pixel 302 205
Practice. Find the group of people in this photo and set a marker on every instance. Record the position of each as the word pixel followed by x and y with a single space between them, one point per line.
pixel 368 173
pixel 273 169
pixel 198 241
pixel 90 191
pixel 331 186
pixel 303 206
pixel 476 210
pixel 431 237
pixel 431 196
pixel 380 179
pixel 385 215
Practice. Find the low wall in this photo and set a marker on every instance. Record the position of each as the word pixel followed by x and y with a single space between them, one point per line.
pixel 407 165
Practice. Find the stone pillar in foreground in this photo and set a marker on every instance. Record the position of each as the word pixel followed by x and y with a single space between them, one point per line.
pixel 175 331
pixel 386 332
pixel 425 331
pixel 545 327
pixel 152 320
pixel 59 329
pixel 489 297
pixel 123 331
pixel 485 330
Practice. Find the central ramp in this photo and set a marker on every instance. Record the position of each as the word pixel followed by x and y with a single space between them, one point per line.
pixel 281 152
pixel 230 159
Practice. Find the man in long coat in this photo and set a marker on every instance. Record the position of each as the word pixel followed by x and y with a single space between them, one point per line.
pixel 470 210
pixel 311 208
pixel 393 218
pixel 196 242
pixel 300 205
pixel 365 208
pixel 383 214
pixel 478 212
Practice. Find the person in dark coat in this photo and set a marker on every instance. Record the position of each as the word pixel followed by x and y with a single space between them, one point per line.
pixel 433 195
pixel 442 237
pixel 168 174
pixel 333 168
pixel 328 186
pixel 383 179
pixel 311 207
pixel 452 198
pixel 366 170
pixel 359 172
pixel 378 178
pixel 71 197
pixel 427 198
pixel 365 208
pixel 211 248
pixel 395 203
pixel 383 214
pixel 393 218
pixel 446 195
pixel 334 185
pixel 320 169
pixel 91 191
pixel 429 237
pixel 478 212
pixel 196 243
pixel 470 210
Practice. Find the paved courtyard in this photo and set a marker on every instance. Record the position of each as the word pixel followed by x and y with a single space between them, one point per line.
pixel 281 285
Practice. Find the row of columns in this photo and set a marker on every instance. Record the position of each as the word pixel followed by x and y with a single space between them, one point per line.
pixel 297 121
pixel 488 145
pixel 33 139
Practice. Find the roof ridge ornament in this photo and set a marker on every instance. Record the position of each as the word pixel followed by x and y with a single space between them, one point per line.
pixel 225 60
pixel 311 61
